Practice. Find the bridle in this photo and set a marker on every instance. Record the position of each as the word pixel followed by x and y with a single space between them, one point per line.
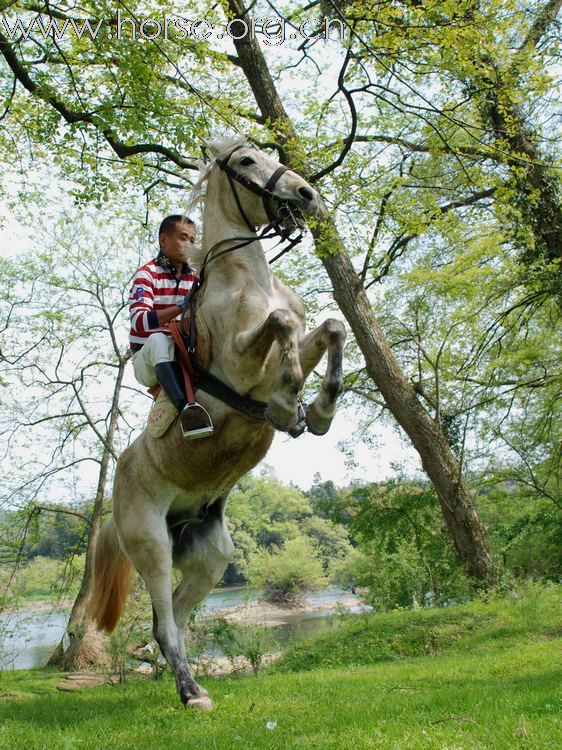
pixel 279 220
pixel 282 221
pixel 282 224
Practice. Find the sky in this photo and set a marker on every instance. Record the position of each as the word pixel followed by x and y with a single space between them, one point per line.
pixel 298 460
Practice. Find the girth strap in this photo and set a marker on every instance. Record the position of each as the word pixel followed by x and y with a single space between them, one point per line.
pixel 196 376
pixel 209 383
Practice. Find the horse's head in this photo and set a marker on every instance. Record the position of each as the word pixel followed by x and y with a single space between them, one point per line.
pixel 258 189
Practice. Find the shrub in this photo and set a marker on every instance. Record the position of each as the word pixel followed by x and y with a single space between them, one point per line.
pixel 288 572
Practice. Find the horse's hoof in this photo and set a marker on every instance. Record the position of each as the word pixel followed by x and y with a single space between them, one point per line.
pixel 203 703
pixel 318 431
pixel 318 424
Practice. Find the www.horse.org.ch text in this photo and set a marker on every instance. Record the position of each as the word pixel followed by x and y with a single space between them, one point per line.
pixel 269 31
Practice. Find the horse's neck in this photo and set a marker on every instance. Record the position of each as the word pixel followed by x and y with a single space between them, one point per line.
pixel 221 233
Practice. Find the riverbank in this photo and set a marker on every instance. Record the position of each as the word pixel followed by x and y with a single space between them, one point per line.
pixel 267 613
pixel 246 605
pixel 28 636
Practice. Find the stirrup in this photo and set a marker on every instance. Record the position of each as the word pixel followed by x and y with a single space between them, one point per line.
pixel 195 422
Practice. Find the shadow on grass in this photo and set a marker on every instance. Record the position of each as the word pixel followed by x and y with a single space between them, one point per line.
pixel 47 707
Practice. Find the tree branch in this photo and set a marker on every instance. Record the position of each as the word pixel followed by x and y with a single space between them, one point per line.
pixel 122 150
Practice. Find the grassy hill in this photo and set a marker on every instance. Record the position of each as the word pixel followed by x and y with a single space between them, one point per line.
pixel 481 676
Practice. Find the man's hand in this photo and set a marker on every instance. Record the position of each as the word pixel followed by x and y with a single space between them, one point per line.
pixel 168 314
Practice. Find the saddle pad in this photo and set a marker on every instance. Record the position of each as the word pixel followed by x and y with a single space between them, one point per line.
pixel 161 416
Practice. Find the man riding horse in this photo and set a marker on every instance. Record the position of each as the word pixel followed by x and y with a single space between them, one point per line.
pixel 159 295
pixel 169 494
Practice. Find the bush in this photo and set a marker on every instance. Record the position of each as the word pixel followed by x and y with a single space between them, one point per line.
pixel 288 572
pixel 252 642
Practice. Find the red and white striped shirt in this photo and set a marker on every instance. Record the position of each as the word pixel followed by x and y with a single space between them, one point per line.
pixel 154 288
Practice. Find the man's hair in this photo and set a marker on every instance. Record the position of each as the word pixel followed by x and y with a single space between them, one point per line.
pixel 168 224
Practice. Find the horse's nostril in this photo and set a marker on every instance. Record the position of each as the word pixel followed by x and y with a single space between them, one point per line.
pixel 306 193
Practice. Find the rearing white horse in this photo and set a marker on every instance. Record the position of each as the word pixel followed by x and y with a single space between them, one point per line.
pixel 169 493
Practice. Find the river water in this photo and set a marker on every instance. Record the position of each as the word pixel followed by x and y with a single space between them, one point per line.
pixel 28 638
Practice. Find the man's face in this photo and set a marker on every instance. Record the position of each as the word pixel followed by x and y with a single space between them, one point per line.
pixel 177 244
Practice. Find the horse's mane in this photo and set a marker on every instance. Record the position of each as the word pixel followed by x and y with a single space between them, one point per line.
pixel 221 147
pixel 218 149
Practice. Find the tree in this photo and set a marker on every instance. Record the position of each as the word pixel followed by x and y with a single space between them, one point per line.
pixel 288 571
pixel 323 497
pixel 77 346
pixel 424 134
pixel 263 514
pixel 438 460
pixel 405 551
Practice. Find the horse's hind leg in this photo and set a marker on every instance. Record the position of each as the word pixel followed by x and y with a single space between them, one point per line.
pixel 148 544
pixel 330 337
pixel 202 552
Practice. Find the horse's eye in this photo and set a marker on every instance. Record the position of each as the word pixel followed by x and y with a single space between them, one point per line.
pixel 247 161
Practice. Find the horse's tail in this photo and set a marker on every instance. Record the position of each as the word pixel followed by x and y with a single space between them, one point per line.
pixel 112 579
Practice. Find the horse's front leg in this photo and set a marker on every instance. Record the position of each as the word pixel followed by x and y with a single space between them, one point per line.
pixel 282 327
pixel 330 337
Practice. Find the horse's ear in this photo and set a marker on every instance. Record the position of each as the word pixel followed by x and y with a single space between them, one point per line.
pixel 221 147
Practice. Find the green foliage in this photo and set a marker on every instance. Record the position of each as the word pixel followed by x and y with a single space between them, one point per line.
pixel 264 514
pixel 324 497
pixel 250 641
pixel 285 574
pixel 405 557
pixel 526 533
pixel 526 614
pixel 44 578
pixel 57 533
pixel 346 571
pixel 331 541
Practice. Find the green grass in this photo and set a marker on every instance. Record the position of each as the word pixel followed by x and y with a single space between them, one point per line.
pixel 491 682
pixel 494 624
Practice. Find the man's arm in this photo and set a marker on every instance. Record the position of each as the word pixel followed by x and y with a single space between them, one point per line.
pixel 169 313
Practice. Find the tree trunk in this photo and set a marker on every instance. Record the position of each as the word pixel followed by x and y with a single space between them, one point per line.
pixel 459 511
pixel 83 642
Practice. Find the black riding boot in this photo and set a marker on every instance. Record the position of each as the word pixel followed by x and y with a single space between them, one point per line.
pixel 170 378
pixel 195 421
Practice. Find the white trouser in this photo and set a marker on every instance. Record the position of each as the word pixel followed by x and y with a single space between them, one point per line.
pixel 158 348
